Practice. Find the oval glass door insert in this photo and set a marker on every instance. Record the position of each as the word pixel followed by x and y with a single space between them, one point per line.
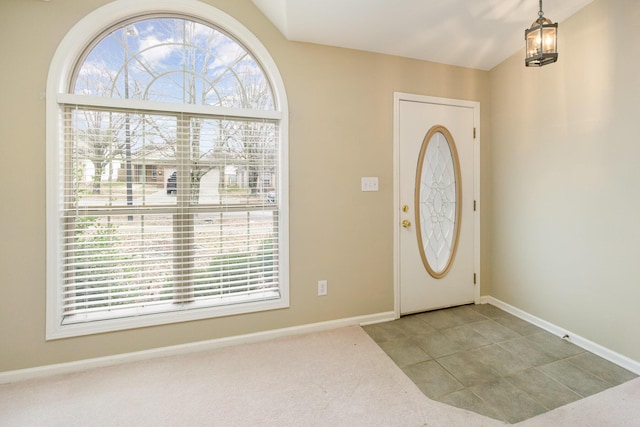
pixel 438 198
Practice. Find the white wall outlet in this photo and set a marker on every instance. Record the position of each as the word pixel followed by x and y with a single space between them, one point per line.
pixel 369 183
pixel 322 287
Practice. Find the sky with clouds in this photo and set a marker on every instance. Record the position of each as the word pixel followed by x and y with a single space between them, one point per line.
pixel 174 60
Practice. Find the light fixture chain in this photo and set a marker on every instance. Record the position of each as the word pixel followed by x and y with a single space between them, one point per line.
pixel 541 41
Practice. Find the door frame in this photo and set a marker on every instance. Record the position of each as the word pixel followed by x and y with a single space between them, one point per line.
pixel 397 98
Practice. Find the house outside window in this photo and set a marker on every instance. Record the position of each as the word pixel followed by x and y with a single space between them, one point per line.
pixel 191 93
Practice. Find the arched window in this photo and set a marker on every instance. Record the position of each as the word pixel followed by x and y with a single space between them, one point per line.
pixel 167 179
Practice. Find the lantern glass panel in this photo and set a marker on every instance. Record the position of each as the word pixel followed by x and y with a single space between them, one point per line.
pixel 549 39
pixel 533 42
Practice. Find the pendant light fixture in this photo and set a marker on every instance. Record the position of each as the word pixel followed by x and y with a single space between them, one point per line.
pixel 541 47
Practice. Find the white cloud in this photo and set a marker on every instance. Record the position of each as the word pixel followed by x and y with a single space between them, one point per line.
pixel 92 69
pixel 154 51
pixel 226 53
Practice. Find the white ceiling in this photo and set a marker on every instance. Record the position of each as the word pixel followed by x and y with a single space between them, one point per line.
pixel 469 33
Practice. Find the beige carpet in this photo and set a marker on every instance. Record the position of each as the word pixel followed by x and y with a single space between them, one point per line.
pixel 334 378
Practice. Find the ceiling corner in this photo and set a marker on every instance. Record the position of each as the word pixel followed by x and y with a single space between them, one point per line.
pixel 276 12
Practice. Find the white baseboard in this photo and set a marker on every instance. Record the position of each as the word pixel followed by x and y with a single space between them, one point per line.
pixel 83 365
pixel 576 339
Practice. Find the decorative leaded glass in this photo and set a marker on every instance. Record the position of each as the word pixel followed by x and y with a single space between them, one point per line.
pixel 438 196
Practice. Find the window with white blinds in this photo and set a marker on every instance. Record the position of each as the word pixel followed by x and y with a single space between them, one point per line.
pixel 169 193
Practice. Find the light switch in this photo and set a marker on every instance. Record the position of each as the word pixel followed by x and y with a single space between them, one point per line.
pixel 369 183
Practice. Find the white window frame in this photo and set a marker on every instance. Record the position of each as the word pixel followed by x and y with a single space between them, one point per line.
pixel 60 73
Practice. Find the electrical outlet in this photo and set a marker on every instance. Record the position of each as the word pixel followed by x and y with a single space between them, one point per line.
pixel 369 183
pixel 322 287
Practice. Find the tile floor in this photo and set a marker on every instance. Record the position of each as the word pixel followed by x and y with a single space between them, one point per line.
pixel 485 360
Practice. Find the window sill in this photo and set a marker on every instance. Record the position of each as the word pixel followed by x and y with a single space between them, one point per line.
pixel 79 325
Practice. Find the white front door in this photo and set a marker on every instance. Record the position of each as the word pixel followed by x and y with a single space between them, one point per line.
pixel 436 257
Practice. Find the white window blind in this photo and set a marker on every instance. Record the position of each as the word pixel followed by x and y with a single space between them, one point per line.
pixel 167 209
pixel 132 244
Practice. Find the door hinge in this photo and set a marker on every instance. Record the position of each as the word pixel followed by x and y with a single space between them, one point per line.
pixel 474 133
pixel 474 278
pixel 474 205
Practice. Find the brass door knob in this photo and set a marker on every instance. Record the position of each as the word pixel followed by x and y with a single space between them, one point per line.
pixel 406 223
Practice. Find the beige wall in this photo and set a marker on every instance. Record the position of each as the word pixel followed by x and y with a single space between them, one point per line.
pixel 341 105
pixel 565 179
